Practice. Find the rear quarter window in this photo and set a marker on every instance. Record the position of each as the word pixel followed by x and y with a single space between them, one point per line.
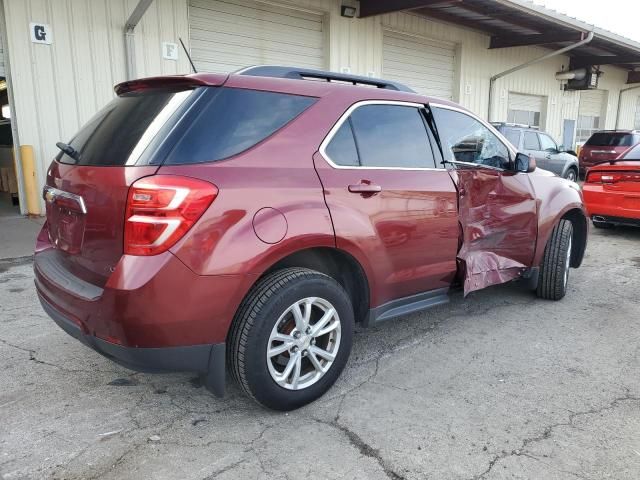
pixel 232 120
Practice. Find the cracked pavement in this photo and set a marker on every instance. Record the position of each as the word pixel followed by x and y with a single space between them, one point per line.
pixel 501 385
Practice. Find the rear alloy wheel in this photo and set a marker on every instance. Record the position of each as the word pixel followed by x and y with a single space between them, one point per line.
pixel 556 265
pixel 291 338
pixel 572 175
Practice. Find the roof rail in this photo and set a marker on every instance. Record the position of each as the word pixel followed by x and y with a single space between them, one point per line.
pixel 308 73
pixel 515 125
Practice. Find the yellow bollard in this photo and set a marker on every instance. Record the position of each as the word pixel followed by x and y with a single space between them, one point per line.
pixel 30 183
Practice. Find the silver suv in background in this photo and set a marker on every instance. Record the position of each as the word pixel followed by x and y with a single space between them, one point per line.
pixel 543 147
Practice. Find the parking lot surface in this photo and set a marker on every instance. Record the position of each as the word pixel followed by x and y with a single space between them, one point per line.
pixel 501 385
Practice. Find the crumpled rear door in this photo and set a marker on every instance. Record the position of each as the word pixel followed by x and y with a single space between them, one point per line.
pixel 498 215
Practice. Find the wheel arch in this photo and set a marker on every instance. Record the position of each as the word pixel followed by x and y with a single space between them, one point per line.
pixel 336 263
pixel 580 234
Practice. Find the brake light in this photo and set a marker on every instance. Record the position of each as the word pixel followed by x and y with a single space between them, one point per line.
pixel 613 177
pixel 161 209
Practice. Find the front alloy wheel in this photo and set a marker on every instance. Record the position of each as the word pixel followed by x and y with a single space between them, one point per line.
pixel 291 338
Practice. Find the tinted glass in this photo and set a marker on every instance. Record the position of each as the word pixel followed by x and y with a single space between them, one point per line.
pixel 608 139
pixel 546 143
pixel 119 132
pixel 513 136
pixel 392 136
pixel 531 141
pixel 232 120
pixel 342 148
pixel 465 139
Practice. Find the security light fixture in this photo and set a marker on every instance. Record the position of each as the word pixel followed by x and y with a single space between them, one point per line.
pixel 347 11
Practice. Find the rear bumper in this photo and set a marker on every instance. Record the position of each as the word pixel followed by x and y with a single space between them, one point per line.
pixel 207 360
pixel 604 202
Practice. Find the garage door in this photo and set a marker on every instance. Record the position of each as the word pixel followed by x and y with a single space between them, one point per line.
pixel 592 103
pixel 526 109
pixel 590 114
pixel 426 66
pixel 229 35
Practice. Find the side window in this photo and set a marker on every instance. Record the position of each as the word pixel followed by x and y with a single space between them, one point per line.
pixel 391 136
pixel 233 120
pixel 513 136
pixel 531 141
pixel 464 139
pixel 546 143
pixel 342 148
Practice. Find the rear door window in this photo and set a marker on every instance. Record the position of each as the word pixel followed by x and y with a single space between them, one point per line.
pixel 342 149
pixel 393 136
pixel 531 141
pixel 513 136
pixel 232 120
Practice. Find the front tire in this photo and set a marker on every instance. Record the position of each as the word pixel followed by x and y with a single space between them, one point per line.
pixel 291 338
pixel 554 271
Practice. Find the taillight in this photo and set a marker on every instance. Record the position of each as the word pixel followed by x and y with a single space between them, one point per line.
pixel 613 177
pixel 161 209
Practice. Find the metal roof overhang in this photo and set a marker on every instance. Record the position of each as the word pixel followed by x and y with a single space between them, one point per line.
pixel 516 23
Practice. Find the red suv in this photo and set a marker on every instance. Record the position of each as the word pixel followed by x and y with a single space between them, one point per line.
pixel 249 221
pixel 605 146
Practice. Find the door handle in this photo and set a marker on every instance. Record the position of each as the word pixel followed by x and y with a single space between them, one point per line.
pixel 365 188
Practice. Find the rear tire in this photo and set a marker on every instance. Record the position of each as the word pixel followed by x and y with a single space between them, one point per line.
pixel 308 361
pixel 554 271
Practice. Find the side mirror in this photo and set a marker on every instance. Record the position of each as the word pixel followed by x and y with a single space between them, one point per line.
pixel 525 163
pixel 561 149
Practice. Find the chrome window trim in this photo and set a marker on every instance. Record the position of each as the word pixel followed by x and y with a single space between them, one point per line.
pixel 345 116
pixel 490 127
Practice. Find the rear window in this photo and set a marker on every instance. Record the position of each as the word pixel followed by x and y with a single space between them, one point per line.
pixel 232 120
pixel 120 132
pixel 605 139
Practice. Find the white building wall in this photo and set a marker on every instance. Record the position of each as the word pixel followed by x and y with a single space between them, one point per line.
pixel 58 87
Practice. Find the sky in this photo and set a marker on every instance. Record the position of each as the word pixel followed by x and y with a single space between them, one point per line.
pixel 619 16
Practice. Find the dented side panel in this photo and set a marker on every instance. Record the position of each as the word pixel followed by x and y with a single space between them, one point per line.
pixel 497 212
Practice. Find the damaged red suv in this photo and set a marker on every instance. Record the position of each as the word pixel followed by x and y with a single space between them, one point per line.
pixel 250 220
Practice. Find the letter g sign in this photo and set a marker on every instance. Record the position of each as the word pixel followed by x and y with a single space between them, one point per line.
pixel 41 33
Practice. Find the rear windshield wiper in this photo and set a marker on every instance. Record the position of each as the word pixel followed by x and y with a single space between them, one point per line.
pixel 69 150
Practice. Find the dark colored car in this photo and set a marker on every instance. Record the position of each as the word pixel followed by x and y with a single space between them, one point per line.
pixel 543 147
pixel 612 191
pixel 606 145
pixel 250 220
